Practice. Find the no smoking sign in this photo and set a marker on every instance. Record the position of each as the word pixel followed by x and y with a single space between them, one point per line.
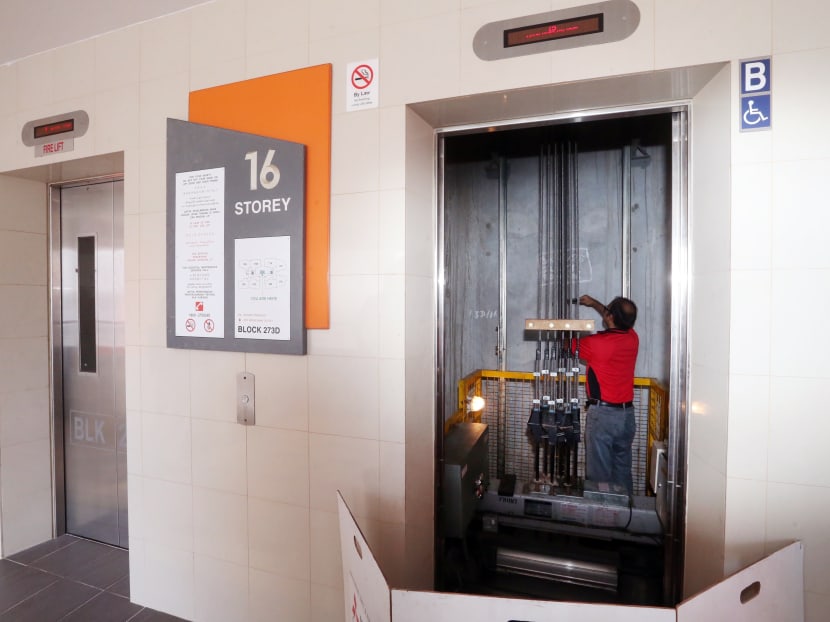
pixel 362 85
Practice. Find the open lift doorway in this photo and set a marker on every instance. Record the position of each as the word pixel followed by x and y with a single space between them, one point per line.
pixel 531 218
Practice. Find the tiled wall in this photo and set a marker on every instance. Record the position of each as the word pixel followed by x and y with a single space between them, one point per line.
pixel 233 523
pixel 25 434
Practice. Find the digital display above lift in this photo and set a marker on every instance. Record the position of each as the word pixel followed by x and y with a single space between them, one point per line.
pixel 560 29
pixel 53 129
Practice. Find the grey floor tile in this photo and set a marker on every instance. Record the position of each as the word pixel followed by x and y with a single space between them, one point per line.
pixel 41 550
pixel 52 603
pixel 105 607
pixel 25 583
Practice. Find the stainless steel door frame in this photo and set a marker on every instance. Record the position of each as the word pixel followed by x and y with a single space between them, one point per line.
pixel 86 230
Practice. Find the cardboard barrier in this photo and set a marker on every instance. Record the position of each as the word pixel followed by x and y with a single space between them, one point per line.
pixel 771 590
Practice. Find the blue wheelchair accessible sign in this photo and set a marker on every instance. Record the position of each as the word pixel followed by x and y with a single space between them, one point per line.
pixel 756 93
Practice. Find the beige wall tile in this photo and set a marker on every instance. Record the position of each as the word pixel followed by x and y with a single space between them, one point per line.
pixel 220 590
pixel 219 455
pixel 278 465
pixel 220 525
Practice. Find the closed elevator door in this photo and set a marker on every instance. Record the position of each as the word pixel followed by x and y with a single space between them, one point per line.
pixel 92 360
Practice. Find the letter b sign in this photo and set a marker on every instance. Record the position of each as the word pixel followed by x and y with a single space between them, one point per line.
pixel 755 76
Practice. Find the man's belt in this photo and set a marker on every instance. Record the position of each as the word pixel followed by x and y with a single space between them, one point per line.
pixel 610 404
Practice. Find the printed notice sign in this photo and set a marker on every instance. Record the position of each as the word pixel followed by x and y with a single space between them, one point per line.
pixel 200 240
pixel 236 232
pixel 362 85
pixel 263 288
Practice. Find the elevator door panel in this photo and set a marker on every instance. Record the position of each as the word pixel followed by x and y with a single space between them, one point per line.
pixel 94 418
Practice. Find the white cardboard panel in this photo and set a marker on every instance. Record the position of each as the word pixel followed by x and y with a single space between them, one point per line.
pixel 780 595
pixel 365 589
pixel 441 607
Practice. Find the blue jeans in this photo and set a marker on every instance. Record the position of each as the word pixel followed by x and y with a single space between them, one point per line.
pixel 608 445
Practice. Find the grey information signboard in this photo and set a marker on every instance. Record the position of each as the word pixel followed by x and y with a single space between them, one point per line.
pixel 235 241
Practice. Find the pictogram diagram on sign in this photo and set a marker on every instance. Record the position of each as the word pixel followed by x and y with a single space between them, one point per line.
pixel 268 273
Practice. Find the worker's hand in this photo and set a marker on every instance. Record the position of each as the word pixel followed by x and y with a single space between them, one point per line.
pixel 587 301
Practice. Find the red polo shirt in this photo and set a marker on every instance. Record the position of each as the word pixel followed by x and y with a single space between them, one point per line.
pixel 610 356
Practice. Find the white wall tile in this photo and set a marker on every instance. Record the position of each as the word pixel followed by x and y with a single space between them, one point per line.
pixel 213 378
pixel 350 465
pixel 217 74
pixel 220 590
pixel 166 447
pixel 24 364
pixel 162 98
pixel 151 310
pixel 354 318
pixel 8 84
pixel 751 229
pixel 409 77
pixel 153 245
pixel 273 596
pixel 392 159
pixel 25 494
pixel 392 482
pixel 392 395
pixel 392 318
pixel 15 245
pixel 798 229
pixel 116 117
pixel 165 381
pixel 327 604
pixel 217 34
pixel 24 206
pixel 152 162
pixel 23 313
pixel 344 396
pixel 802 356
pixel 219 461
pixel 354 233
pixel 24 416
pixel 282 390
pixel 273 28
pixel 799 29
pixel 72 76
pixel 749 336
pixel 169 520
pixel 799 135
pixel 165 46
pixel 284 551
pixel 749 427
pixel 330 19
pixel 794 405
pixel 392 226
pixel 220 525
pixel 807 524
pixel 169 580
pixel 134 446
pixel 746 502
pixel 117 59
pixel 278 465
pixel 355 139
pixel 34 82
pixel 326 564
pixel 688 34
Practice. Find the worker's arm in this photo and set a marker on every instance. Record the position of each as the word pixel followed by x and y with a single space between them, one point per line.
pixel 586 301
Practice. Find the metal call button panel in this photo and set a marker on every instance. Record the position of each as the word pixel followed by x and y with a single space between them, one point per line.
pixel 245 398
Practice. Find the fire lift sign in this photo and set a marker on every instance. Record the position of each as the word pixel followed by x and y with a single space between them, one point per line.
pixel 236 227
pixel 756 93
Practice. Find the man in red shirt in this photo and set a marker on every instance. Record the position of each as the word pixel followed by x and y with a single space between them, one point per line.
pixel 610 356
